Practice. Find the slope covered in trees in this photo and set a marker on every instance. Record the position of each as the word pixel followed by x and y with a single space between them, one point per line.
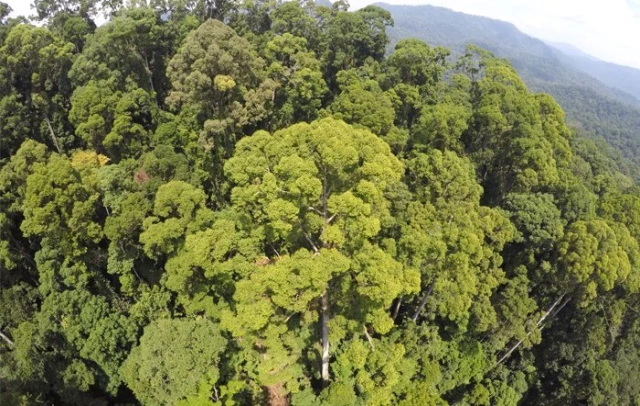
pixel 218 203
pixel 599 111
pixel 621 77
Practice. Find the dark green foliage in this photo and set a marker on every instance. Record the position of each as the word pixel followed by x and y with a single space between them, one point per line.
pixel 173 359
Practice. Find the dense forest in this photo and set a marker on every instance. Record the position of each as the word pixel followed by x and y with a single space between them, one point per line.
pixel 597 110
pixel 213 202
pixel 619 77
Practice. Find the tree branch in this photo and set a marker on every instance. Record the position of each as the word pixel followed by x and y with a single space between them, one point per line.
pixel 567 300
pixel 553 306
pixel 7 339
pixel 423 302
pixel 366 333
pixel 396 310
pixel 215 396
pixel 53 134
pixel 315 210
pixel 315 249
pixel 542 319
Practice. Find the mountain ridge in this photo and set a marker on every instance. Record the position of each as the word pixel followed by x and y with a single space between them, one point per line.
pixel 598 110
pixel 570 50
pixel 502 38
pixel 624 78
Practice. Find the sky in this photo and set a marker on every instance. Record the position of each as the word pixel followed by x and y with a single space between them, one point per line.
pixel 20 7
pixel 606 29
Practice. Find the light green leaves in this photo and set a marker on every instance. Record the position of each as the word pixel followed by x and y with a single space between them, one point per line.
pixel 596 256
pixel 178 208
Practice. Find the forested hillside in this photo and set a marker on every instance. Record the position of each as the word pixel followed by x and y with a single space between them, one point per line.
pixel 213 203
pixel 596 109
pixel 620 77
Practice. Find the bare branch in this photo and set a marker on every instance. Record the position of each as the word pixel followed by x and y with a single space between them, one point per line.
pixel 539 325
pixel 215 397
pixel 567 300
pixel 275 250
pixel 548 312
pixel 396 310
pixel 315 249
pixel 7 339
pixel 423 302
pixel 315 210
pixel 366 333
pixel 511 350
pixel 53 134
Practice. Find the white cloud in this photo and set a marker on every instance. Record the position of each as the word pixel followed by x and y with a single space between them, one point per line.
pixel 607 29
pixel 20 7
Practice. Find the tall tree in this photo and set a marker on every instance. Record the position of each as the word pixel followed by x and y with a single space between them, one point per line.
pixel 34 88
pixel 316 194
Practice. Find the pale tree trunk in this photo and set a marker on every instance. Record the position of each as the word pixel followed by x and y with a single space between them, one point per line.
pixel 6 339
pixel 53 134
pixel 538 325
pixel 366 333
pixel 567 300
pixel 396 310
pixel 325 338
pixel 423 302
pixel 146 65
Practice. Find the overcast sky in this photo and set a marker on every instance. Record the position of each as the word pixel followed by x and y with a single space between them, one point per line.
pixel 607 29
pixel 20 7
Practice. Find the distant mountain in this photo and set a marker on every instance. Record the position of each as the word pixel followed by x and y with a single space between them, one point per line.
pixel 620 77
pixel 570 50
pixel 592 106
pixel 326 3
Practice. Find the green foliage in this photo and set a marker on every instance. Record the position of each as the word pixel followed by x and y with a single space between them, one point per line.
pixel 596 255
pixel 50 9
pixel 173 359
pixel 126 53
pixel 178 208
pixel 599 103
pixel 34 88
pixel 214 202
pixel 316 194
pixel 302 87
pixel 118 123
pixel 363 103
pixel 455 242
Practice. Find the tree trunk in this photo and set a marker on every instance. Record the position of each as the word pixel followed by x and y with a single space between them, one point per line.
pixel 366 333
pixel 325 339
pixel 146 64
pixel 566 301
pixel 423 302
pixel 53 134
pixel 396 310
pixel 540 321
pixel 6 339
